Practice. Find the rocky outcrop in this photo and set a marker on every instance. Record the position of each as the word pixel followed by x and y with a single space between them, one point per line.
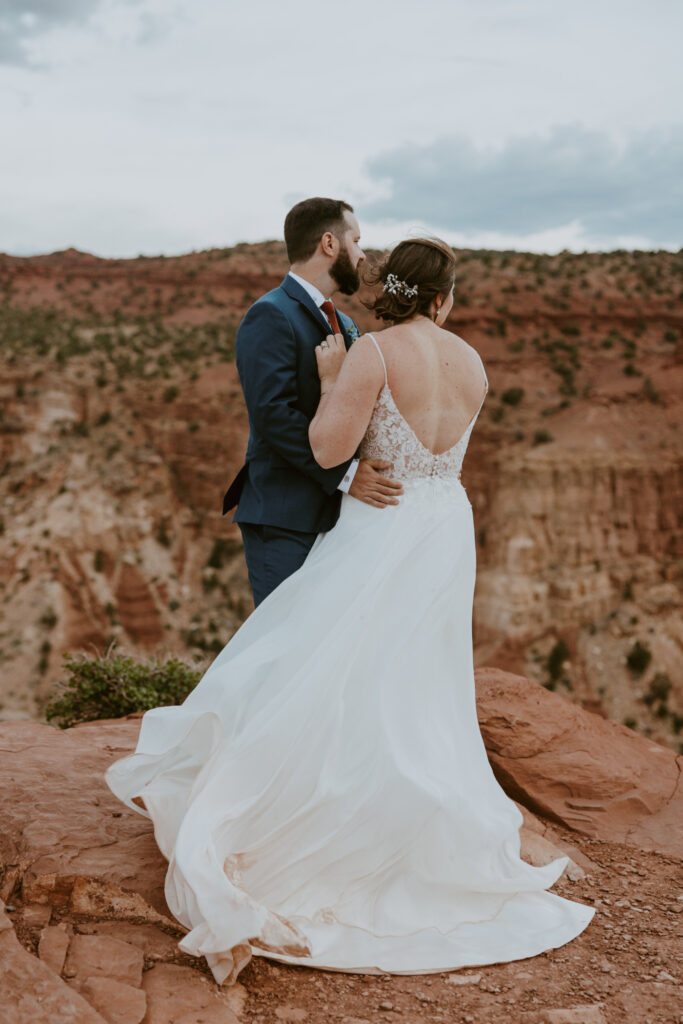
pixel 86 935
pixel 592 775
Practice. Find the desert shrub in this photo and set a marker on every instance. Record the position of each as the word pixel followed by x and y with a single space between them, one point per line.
pixel 224 548
pixel 513 396
pixel 556 659
pixel 48 619
pixel 162 534
pixel 44 661
pixel 658 689
pixel 209 582
pixel 195 638
pixel 638 658
pixel 650 391
pixel 114 686
pixel 542 436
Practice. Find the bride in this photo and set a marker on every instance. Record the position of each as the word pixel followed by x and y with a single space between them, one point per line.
pixel 323 797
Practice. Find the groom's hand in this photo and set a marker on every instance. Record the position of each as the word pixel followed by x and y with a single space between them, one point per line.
pixel 370 486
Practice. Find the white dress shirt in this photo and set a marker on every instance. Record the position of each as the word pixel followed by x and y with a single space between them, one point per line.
pixel 319 298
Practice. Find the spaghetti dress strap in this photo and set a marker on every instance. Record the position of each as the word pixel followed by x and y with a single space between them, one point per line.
pixel 486 379
pixel 386 379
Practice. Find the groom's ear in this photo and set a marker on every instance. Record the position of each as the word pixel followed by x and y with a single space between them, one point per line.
pixel 329 244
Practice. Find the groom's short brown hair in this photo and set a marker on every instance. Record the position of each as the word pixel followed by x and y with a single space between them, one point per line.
pixel 307 222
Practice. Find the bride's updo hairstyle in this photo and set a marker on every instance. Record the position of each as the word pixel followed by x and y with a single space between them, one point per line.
pixel 412 275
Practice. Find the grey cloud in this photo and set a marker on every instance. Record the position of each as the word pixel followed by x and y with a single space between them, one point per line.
pixel 535 183
pixel 24 20
pixel 21 21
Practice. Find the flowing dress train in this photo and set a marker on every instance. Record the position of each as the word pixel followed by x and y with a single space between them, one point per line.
pixel 324 795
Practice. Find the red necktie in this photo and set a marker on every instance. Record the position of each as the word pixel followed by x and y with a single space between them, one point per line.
pixel 328 308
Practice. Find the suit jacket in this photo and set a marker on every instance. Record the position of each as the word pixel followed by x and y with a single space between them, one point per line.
pixel 281 484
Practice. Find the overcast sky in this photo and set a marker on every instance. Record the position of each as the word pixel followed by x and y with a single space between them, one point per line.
pixel 148 126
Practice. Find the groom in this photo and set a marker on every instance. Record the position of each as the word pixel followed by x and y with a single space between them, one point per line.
pixel 284 499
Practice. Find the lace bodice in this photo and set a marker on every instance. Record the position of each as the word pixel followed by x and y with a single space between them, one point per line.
pixel 390 437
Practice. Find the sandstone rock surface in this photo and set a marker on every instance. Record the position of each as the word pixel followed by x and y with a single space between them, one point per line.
pixel 86 935
pixel 577 768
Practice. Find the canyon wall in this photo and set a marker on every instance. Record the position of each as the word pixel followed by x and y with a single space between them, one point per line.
pixel 122 421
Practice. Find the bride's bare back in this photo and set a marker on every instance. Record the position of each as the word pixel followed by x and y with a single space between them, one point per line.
pixel 436 380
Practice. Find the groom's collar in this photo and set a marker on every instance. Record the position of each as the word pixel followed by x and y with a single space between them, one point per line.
pixel 297 291
pixel 314 292
pixel 294 286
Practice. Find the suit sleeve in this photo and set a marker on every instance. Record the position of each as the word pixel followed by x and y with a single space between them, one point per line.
pixel 266 362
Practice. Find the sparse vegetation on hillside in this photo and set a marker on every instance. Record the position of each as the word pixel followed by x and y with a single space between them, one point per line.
pixel 145 348
pixel 122 422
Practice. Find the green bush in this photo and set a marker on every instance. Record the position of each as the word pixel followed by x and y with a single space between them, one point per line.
pixel 513 396
pixel 638 658
pixel 224 548
pixel 659 689
pixel 542 437
pixel 557 658
pixel 114 686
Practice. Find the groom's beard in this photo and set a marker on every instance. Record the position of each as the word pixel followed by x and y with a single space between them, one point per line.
pixel 344 274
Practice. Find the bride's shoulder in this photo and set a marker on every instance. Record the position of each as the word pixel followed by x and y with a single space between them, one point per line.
pixel 463 345
pixel 453 336
pixel 380 336
pixel 369 340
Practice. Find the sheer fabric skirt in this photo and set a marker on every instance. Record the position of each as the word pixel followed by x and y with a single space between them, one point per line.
pixel 324 794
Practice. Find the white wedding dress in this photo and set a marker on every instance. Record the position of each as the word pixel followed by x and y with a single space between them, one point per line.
pixel 324 797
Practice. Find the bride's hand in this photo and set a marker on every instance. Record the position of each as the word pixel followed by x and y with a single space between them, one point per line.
pixel 330 355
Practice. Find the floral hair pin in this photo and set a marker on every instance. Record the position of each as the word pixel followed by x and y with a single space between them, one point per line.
pixel 396 286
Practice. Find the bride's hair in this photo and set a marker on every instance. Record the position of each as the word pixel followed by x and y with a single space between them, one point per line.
pixel 425 264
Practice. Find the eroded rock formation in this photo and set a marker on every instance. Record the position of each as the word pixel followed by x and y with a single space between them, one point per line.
pixel 122 421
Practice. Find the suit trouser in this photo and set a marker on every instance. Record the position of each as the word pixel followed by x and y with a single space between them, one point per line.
pixel 273 553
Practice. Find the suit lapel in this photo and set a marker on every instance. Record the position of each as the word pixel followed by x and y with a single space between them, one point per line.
pixel 295 291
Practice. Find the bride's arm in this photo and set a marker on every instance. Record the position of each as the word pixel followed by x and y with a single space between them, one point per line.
pixel 349 386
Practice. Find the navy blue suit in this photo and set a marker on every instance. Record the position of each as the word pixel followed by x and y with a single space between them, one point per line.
pixel 283 497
